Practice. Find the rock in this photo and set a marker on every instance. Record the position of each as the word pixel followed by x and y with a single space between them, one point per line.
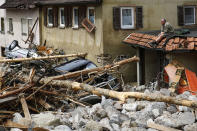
pixel 130 107
pixel 45 119
pixel 20 120
pixel 130 100
pixel 16 129
pixel 176 120
pixel 118 105
pixel 141 88
pixel 151 129
pixel 62 128
pixel 93 126
pixel 191 127
pixel 192 98
pixel 101 113
pixel 133 129
pixel 111 110
pixel 115 127
pixel 156 112
pixel 126 123
pixel 143 117
pixel 106 102
pixel 172 109
pixel 140 107
pixel 184 108
pixel 186 118
pixel 165 92
pixel 105 123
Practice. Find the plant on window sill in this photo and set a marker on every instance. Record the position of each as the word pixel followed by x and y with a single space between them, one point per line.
pixel 49 26
pixel 62 26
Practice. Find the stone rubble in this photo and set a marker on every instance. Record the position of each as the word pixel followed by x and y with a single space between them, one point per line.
pixel 112 115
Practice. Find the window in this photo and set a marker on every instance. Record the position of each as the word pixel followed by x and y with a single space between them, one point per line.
pixel 10 25
pixel 29 25
pixel 189 15
pixel 24 26
pixel 2 25
pixel 91 14
pixel 62 17
pixel 127 18
pixel 75 17
pixel 50 16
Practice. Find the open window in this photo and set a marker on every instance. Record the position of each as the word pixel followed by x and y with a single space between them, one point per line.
pixel 10 25
pixel 50 17
pixel 75 17
pixel 62 17
pixel 91 14
pixel 2 25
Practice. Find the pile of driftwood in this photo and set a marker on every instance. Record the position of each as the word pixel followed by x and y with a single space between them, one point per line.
pixel 26 92
pixel 23 91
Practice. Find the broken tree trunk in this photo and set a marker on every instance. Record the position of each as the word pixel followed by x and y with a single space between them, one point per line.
pixel 42 58
pixel 98 69
pixel 122 96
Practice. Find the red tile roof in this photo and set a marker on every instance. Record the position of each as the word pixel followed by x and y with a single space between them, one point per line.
pixel 174 43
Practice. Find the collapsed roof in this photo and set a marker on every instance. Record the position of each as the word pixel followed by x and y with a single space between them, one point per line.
pixel 174 43
pixel 60 2
pixel 18 4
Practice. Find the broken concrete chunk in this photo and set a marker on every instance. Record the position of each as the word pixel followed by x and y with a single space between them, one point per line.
pixel 15 129
pixel 172 109
pixel 62 128
pixel 191 127
pixel 45 119
pixel 156 112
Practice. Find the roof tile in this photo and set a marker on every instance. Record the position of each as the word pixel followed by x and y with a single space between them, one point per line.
pixel 170 42
pixel 176 40
pixel 195 43
pixel 190 39
pixel 191 45
pixel 169 47
pixel 196 39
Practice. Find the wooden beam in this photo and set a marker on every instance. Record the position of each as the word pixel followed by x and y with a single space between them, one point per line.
pixel 160 127
pixel 25 107
pixel 98 69
pixel 42 58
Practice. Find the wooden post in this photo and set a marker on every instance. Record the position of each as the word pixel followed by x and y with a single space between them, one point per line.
pixel 25 107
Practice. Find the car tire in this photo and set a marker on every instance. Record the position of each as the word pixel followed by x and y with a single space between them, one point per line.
pixel 13 45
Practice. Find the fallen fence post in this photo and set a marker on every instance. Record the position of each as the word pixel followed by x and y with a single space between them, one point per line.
pixel 41 58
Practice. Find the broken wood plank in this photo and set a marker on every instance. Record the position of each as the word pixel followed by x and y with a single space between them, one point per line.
pixel 98 69
pixel 45 104
pixel 25 107
pixel 11 98
pixel 122 96
pixel 33 109
pixel 42 58
pixel 10 124
pixel 160 127
pixel 7 112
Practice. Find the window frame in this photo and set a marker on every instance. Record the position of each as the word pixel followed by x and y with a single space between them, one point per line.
pixel 89 13
pixel 10 31
pixel 3 24
pixel 22 30
pixel 75 26
pixel 194 8
pixel 60 18
pixel 49 24
pixel 132 15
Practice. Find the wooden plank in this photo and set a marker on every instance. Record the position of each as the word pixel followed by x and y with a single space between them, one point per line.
pixel 25 107
pixel 42 58
pixel 45 104
pixel 160 127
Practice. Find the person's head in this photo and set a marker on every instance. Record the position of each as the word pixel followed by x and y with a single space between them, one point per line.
pixel 163 21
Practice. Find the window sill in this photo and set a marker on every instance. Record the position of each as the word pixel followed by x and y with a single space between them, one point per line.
pixel 2 32
pixel 49 26
pixel 75 27
pixel 10 32
pixel 62 27
pixel 24 34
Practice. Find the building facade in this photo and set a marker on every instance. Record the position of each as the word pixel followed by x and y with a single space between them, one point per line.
pixel 114 20
pixel 16 22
